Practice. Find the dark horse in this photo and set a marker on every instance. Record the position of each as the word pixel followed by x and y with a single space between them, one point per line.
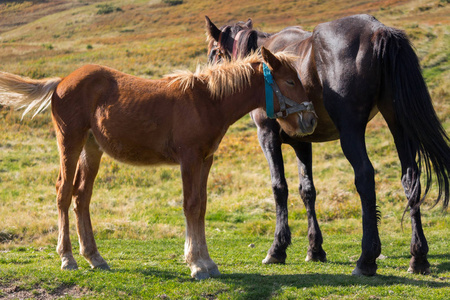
pixel 351 68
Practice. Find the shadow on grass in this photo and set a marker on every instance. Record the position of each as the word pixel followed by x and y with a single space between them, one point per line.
pixel 258 286
pixel 264 286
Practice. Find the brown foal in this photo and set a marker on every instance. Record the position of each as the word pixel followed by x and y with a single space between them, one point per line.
pixel 179 119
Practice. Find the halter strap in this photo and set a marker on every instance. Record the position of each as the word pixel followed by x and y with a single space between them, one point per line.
pixel 268 82
pixel 270 88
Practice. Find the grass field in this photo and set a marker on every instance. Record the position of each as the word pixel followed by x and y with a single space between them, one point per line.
pixel 137 213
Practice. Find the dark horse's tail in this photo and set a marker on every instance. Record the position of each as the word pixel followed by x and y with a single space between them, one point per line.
pixel 428 141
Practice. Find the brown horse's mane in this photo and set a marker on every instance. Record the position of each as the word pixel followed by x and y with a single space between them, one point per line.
pixel 227 78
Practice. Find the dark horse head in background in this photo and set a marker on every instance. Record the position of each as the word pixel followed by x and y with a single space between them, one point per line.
pixel 351 68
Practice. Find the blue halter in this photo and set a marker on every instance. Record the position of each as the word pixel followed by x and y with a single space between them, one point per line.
pixel 287 106
pixel 269 92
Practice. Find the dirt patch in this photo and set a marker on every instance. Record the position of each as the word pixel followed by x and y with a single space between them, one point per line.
pixel 15 292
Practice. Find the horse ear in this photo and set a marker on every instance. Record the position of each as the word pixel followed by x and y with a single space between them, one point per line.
pixel 212 30
pixel 270 59
pixel 249 24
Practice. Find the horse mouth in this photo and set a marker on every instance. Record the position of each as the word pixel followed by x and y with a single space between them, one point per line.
pixel 307 122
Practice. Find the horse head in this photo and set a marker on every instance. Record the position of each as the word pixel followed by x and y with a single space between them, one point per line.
pixel 296 118
pixel 230 41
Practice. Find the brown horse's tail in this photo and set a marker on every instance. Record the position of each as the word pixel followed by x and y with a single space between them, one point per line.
pixel 427 140
pixel 21 92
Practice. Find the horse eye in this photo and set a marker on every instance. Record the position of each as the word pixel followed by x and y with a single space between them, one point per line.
pixel 290 82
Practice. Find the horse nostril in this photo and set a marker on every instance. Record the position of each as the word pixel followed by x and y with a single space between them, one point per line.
pixel 313 122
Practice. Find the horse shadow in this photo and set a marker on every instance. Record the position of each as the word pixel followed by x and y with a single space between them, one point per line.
pixel 262 286
pixel 253 282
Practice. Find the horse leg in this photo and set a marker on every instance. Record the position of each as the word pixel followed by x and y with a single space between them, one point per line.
pixel 88 165
pixel 354 147
pixel 308 194
pixel 411 184
pixel 270 141
pixel 194 173
pixel 70 150
pixel 419 247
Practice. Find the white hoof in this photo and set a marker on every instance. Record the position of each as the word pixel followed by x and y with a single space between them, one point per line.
pixel 97 262
pixel 271 260
pixel 68 263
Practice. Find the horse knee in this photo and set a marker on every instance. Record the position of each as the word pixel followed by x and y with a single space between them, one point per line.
pixel 307 192
pixel 280 190
pixel 192 208
pixel 365 180
pixel 64 196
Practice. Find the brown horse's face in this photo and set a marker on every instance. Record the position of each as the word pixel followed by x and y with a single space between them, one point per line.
pixel 287 79
pixel 296 124
pixel 299 124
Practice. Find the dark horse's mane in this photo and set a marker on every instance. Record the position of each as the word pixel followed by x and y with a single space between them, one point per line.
pixel 248 41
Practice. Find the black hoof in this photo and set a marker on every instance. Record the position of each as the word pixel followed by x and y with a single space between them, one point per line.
pixel 316 256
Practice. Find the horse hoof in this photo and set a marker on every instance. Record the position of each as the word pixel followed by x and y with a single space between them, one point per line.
pixel 359 272
pixel 68 264
pixel 69 267
pixel 272 260
pixel 97 262
pixel 318 257
pixel 103 266
pixel 200 275
pixel 425 271
pixel 214 272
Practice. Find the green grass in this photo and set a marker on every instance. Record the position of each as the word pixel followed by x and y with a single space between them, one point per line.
pixel 137 212
pixel 154 269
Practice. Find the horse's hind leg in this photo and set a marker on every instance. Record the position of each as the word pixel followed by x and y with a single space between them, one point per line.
pixel 411 185
pixel 69 147
pixel 88 165
pixel 308 194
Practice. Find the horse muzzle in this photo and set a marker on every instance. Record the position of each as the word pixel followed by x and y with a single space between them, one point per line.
pixel 307 123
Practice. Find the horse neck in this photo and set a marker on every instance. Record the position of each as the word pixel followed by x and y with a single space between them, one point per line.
pixel 251 97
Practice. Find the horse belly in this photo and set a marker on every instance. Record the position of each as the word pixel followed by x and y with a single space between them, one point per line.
pixel 133 141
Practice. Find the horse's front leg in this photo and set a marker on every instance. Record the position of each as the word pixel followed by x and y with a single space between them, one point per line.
pixel 308 194
pixel 270 141
pixel 194 172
